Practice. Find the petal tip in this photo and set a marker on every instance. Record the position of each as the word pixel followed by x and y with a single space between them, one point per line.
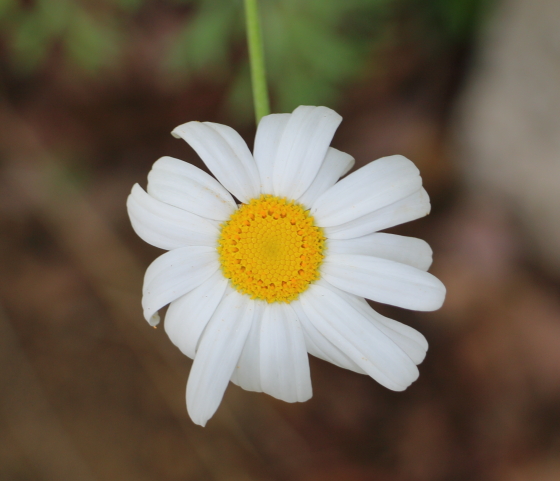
pixel 154 319
pixel 178 131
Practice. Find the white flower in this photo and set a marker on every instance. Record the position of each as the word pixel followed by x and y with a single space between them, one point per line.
pixel 254 287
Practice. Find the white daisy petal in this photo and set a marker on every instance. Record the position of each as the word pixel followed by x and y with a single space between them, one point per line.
pixel 225 153
pixel 374 186
pixel 187 316
pixel 319 346
pixel 408 339
pixel 218 352
pixel 302 148
pixel 267 139
pixel 335 165
pixel 384 281
pixel 175 273
pixel 408 250
pixel 185 186
pixel 247 373
pixel 165 226
pixel 410 208
pixel 358 338
pixel 284 362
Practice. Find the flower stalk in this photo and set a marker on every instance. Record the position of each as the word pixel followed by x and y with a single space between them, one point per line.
pixel 256 60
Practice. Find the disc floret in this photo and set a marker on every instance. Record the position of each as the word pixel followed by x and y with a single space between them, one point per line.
pixel 270 249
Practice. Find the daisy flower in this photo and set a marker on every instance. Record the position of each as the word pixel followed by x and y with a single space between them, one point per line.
pixel 254 285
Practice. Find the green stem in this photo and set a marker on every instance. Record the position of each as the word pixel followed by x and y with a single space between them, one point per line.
pixel 256 58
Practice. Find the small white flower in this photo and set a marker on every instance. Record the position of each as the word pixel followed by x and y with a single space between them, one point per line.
pixel 254 287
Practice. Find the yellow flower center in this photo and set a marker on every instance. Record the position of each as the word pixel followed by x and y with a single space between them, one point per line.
pixel 270 249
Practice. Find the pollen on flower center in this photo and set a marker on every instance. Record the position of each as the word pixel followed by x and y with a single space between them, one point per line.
pixel 270 249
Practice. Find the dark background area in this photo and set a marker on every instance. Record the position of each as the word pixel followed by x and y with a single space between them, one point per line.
pixel 89 92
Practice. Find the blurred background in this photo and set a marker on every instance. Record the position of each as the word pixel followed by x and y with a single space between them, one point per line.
pixel 89 92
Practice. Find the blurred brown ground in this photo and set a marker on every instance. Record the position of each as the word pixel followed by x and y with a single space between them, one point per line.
pixel 88 391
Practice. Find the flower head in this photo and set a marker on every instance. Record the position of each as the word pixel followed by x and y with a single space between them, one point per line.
pixel 252 288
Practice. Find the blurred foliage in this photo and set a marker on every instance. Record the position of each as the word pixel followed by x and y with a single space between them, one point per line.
pixel 449 20
pixel 313 47
pixel 89 35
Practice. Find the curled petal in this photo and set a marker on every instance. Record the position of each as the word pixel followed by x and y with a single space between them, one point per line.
pixel 225 153
pixel 185 186
pixel 412 342
pixel 385 281
pixel 175 273
pixel 319 346
pixel 410 208
pixel 334 166
pixel 407 250
pixel 168 227
pixel 269 132
pixel 374 186
pixel 187 317
pixel 358 338
pixel 284 365
pixel 217 355
pixel 247 372
pixel 302 148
